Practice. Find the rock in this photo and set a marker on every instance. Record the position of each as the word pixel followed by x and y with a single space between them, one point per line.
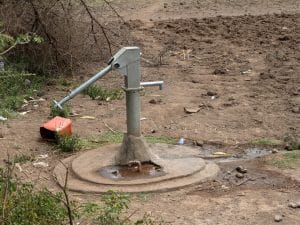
pixel 296 109
pixel 165 5
pixel 278 218
pixel 191 109
pixel 241 169
pixel 220 71
pixel 198 143
pixel 274 151
pixel 239 175
pixel 153 101
pixel 1 135
pixel 27 82
pixel 212 93
pixel 153 131
pixel 293 205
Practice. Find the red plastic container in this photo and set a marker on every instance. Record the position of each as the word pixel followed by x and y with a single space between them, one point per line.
pixel 56 126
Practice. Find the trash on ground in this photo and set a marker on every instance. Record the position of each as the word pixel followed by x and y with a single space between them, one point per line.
pixel 3 118
pixel 88 117
pixel 24 113
pixel 40 164
pixel 44 156
pixel 181 141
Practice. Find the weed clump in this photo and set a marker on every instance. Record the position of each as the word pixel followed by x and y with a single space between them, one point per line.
pixel 69 143
pixel 22 205
pixel 15 87
pixel 98 93
pixel 56 111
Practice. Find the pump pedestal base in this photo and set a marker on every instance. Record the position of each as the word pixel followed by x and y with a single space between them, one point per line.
pixel 181 166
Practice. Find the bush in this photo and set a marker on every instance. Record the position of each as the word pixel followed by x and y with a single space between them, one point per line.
pixel 69 143
pixel 98 93
pixel 22 205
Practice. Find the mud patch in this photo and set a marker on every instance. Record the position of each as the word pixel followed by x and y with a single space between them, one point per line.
pixel 131 172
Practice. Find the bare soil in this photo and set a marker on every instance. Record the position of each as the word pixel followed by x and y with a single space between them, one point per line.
pixel 239 63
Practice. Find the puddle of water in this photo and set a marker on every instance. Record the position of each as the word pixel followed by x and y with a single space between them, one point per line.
pixel 247 154
pixel 131 172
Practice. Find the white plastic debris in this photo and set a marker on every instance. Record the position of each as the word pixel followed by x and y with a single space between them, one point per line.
pixel 40 164
pixel 181 141
pixel 3 118
pixel 45 156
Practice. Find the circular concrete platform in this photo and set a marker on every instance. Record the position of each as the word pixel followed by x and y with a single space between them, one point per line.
pixel 181 164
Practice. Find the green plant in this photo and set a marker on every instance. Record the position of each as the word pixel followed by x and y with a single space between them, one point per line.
pixel 22 205
pixel 114 205
pixel 292 142
pixel 160 139
pixel 22 158
pixel 266 142
pixel 287 161
pixel 69 143
pixel 111 211
pixel 98 93
pixel 56 111
pixel 117 137
pixel 15 86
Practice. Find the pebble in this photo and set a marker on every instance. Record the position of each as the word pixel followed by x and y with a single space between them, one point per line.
pixel 296 110
pixel 241 169
pixel 153 101
pixel 211 93
pixel 278 218
pixel 199 143
pixel 294 205
pixel 239 175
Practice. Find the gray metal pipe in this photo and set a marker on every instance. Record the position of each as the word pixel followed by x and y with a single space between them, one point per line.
pixel 153 83
pixel 133 112
pixel 83 86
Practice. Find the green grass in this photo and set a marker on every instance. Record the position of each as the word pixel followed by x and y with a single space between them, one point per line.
pixel 69 143
pixel 99 93
pixel 64 112
pixel 15 86
pixel 287 161
pixel 22 158
pixel 266 142
pixel 21 204
pixel 117 137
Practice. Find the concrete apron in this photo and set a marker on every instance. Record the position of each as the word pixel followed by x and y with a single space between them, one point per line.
pixel 181 164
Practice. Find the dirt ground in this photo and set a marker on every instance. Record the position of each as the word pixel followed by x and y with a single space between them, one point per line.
pixel 238 61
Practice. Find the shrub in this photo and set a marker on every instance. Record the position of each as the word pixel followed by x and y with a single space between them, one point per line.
pixel 22 205
pixel 69 143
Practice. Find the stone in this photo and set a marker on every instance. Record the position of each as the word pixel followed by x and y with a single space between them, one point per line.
pixel 293 205
pixel 199 143
pixel 278 218
pixel 220 71
pixel 274 151
pixel 153 101
pixel 190 110
pixel 239 175
pixel 296 109
pixel 211 93
pixel 241 169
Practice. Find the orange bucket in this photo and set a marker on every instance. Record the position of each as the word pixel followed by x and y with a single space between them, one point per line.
pixel 56 126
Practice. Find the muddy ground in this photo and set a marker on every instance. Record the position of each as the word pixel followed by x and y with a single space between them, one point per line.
pixel 239 63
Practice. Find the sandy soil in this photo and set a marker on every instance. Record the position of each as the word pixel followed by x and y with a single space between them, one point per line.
pixel 242 71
